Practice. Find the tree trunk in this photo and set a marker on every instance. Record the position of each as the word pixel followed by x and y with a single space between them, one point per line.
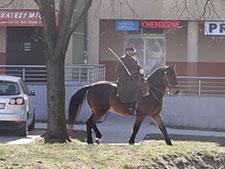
pixel 56 40
pixel 56 130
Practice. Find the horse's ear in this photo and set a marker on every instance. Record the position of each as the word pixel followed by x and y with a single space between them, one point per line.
pixel 166 68
pixel 173 66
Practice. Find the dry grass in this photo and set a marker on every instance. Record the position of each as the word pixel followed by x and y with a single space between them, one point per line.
pixel 153 153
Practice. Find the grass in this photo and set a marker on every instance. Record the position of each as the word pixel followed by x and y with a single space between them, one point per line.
pixel 191 151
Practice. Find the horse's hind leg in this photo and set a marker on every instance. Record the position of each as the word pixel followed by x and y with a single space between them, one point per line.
pixel 89 128
pixel 158 121
pixel 91 124
pixel 98 134
pixel 137 124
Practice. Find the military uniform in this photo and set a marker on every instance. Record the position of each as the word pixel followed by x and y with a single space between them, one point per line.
pixel 128 87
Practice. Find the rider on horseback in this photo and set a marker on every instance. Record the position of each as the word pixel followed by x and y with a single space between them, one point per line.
pixel 130 74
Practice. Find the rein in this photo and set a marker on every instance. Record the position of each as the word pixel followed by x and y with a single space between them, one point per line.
pixel 168 82
pixel 162 91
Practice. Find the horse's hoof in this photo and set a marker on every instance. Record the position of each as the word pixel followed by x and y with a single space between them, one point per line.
pixel 89 142
pixel 98 140
pixel 131 142
pixel 169 143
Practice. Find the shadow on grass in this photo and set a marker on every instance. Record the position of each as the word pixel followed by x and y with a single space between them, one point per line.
pixel 219 140
pixel 79 135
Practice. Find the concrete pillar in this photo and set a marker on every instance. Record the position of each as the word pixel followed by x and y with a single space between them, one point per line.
pixel 2 45
pixel 192 48
pixel 93 40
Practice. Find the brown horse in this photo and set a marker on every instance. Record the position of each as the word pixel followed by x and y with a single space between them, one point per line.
pixel 102 97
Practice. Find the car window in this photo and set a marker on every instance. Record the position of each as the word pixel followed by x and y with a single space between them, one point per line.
pixel 9 88
pixel 24 87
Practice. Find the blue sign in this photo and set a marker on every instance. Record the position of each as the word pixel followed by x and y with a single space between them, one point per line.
pixel 127 25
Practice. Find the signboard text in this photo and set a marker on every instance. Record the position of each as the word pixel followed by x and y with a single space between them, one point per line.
pixel 214 28
pixel 160 24
pixel 21 18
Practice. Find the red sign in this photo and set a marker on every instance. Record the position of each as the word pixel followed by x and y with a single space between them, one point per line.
pixel 21 18
pixel 160 24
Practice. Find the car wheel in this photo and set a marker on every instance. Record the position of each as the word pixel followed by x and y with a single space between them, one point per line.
pixel 24 130
pixel 31 126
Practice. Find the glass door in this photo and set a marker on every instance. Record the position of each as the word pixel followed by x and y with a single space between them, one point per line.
pixel 151 51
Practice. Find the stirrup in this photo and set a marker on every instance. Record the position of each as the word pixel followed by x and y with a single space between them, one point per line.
pixel 132 110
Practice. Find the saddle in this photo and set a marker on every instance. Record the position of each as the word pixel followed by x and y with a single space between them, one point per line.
pixel 144 88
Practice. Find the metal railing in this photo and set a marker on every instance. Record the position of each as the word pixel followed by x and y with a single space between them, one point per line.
pixel 81 73
pixel 77 73
pixel 202 85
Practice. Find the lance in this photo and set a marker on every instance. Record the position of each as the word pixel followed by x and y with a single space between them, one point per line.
pixel 120 61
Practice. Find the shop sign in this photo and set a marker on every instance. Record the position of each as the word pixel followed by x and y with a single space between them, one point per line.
pixel 160 24
pixel 214 28
pixel 127 25
pixel 21 18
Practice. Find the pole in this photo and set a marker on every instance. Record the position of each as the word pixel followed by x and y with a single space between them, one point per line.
pixel 85 53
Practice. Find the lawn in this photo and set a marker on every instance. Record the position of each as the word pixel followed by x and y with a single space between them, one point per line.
pixel 186 152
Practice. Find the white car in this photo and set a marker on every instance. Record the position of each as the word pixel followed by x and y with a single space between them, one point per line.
pixel 17 111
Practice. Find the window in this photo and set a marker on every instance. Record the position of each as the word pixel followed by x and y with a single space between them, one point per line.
pixel 9 88
pixel 151 51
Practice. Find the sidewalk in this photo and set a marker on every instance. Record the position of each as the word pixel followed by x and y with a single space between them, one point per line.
pixel 117 129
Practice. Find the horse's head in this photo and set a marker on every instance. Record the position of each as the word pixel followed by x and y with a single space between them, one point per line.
pixel 164 77
pixel 171 79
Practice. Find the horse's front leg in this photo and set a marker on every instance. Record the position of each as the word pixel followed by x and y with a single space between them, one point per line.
pixel 158 121
pixel 137 124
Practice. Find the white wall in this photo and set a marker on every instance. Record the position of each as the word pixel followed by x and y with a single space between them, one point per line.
pixel 40 101
pixel 188 111
pixel 194 111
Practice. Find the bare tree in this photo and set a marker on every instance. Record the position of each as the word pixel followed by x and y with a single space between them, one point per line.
pixel 56 40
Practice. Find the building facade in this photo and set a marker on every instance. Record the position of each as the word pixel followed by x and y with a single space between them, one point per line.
pixel 189 34
pixel 21 41
pixel 164 32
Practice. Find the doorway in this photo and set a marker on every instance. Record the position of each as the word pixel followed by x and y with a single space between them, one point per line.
pixel 24 46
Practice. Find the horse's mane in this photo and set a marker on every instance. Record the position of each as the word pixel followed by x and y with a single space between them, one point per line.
pixel 156 72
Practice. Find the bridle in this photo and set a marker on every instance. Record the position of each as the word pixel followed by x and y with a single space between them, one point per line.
pixel 162 91
pixel 168 84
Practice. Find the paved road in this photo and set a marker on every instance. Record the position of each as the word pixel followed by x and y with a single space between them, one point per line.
pixel 10 138
pixel 115 129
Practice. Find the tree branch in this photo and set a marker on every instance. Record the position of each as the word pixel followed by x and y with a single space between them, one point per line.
pixel 204 11
pixel 185 9
pixel 131 9
pixel 66 21
pixel 8 4
pixel 61 11
pixel 79 20
pixel 217 15
pixel 47 10
pixel 76 24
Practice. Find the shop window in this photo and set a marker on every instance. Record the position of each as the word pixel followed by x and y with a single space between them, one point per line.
pixel 151 50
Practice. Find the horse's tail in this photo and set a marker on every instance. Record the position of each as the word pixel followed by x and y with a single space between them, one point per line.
pixel 76 103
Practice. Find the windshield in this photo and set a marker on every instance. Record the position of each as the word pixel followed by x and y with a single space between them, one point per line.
pixel 8 88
